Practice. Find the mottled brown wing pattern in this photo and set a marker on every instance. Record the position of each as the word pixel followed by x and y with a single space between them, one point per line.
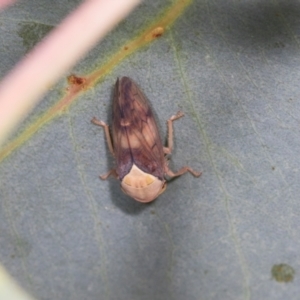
pixel 135 135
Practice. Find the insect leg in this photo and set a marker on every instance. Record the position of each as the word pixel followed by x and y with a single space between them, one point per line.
pixel 168 150
pixel 107 134
pixel 112 172
pixel 182 171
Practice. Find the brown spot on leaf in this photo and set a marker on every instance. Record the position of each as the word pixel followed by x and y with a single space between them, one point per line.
pixel 283 273
pixel 158 32
pixel 155 33
pixel 76 81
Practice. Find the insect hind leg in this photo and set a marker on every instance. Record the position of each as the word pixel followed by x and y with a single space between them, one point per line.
pixel 111 172
pixel 182 171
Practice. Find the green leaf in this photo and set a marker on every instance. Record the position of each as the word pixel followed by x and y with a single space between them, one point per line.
pixel 232 67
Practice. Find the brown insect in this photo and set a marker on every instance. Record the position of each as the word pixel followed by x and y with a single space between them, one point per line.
pixel 136 144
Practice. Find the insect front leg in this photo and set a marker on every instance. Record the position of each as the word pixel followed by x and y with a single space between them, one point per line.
pixel 182 171
pixel 168 150
pixel 112 172
pixel 107 134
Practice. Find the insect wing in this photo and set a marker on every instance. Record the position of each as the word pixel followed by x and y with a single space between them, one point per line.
pixel 135 135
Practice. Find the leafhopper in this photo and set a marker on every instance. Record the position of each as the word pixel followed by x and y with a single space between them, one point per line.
pixel 141 164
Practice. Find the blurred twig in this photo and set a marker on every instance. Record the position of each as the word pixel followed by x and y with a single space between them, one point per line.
pixel 21 89
pixel 4 3
pixel 9 290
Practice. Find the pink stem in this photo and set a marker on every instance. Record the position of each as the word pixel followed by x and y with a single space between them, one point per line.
pixel 21 89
